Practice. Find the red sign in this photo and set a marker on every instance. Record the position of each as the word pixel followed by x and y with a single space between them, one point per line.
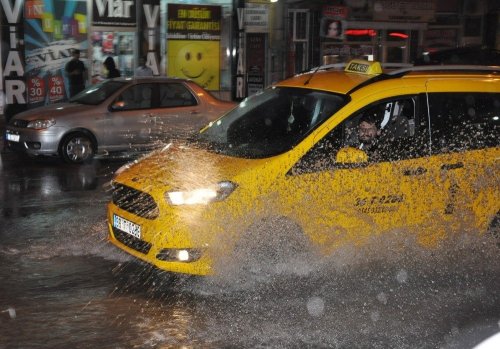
pixel 33 9
pixel 56 88
pixel 335 11
pixel 36 90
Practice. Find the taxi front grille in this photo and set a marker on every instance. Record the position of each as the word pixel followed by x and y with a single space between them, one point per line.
pixel 131 241
pixel 134 201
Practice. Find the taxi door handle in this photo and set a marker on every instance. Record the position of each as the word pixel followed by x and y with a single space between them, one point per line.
pixel 454 166
pixel 414 171
pixel 194 112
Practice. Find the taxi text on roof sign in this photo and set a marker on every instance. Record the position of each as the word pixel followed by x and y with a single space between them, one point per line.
pixel 363 67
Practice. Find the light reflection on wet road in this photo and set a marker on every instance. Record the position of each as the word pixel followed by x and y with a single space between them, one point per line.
pixel 63 286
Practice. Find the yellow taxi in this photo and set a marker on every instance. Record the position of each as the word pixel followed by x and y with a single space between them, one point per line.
pixel 339 155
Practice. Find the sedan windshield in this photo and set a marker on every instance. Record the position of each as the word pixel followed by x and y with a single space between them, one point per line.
pixel 96 94
pixel 271 122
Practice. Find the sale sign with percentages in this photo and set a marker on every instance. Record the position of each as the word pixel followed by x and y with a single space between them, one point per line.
pixel 56 88
pixel 36 90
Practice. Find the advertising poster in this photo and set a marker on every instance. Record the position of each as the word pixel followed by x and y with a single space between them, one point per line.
pixel 256 53
pixel 193 49
pixel 12 73
pixel 333 22
pixel 52 29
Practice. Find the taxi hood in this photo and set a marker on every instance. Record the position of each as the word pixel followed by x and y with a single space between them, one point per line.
pixel 181 166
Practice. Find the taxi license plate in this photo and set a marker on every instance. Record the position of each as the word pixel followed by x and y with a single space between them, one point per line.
pixel 12 137
pixel 127 226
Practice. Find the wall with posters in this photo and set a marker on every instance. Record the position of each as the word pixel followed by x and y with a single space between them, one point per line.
pixel 51 32
pixel 37 37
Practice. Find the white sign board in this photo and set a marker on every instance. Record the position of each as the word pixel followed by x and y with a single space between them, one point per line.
pixel 256 19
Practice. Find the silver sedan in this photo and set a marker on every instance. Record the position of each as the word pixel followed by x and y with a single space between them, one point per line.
pixel 118 115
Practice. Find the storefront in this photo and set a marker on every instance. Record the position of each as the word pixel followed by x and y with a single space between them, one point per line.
pixel 38 36
pixel 321 32
pixel 387 31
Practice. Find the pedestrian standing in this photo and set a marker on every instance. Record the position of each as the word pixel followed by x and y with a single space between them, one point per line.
pixel 143 69
pixel 111 70
pixel 76 71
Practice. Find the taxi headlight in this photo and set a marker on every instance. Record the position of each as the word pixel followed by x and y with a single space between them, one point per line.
pixel 41 124
pixel 198 196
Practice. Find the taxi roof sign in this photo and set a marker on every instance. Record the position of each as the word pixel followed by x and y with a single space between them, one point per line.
pixel 361 66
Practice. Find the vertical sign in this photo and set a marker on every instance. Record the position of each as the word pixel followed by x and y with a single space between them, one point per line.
pixel 12 81
pixel 52 29
pixel 149 45
pixel 240 57
pixel 256 54
pixel 194 43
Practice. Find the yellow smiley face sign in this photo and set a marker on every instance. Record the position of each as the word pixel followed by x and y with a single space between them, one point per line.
pixel 195 60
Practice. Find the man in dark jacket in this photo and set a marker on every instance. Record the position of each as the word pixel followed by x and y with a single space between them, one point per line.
pixel 76 74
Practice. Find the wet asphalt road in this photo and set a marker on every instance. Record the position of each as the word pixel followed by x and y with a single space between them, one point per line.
pixel 62 285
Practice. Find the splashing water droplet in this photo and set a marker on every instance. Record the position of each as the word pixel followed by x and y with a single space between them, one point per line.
pixel 315 306
pixel 402 276
pixel 382 298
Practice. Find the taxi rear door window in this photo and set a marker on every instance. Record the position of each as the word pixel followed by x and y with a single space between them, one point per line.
pixel 464 121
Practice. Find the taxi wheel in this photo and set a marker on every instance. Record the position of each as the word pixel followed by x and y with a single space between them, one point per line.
pixel 77 148
pixel 494 229
pixel 274 241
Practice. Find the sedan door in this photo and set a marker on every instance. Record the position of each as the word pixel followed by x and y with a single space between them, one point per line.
pixel 179 113
pixel 128 123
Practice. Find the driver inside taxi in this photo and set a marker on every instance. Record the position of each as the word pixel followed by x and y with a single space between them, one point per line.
pixel 368 132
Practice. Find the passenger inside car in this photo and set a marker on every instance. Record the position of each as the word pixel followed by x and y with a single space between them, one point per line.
pixel 368 132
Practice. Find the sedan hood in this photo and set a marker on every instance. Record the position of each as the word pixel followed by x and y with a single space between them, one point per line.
pixel 54 111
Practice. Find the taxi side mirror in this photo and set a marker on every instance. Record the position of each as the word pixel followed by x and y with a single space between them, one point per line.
pixel 351 155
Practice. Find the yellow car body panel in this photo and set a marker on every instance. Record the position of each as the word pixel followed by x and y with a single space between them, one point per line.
pixel 429 196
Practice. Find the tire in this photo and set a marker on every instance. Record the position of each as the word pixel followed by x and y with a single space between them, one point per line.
pixel 273 242
pixel 494 229
pixel 77 148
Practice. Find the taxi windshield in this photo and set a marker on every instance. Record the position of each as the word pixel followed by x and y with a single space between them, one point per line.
pixel 97 93
pixel 270 122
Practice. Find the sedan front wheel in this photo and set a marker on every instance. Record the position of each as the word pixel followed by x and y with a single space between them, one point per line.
pixel 77 148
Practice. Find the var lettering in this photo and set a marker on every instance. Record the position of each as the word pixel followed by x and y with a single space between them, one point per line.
pixel 114 8
pixel 151 15
pixel 12 14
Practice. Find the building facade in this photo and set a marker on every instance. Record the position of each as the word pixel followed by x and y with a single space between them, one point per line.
pixel 233 48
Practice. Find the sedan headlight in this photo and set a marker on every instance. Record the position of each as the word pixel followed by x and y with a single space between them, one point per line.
pixel 41 124
pixel 198 196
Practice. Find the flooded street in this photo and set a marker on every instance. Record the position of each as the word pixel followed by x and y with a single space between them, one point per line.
pixel 62 285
